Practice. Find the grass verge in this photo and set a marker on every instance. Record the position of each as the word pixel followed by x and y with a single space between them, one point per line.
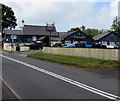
pixel 76 61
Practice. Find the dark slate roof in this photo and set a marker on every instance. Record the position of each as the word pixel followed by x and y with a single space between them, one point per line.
pixel 67 34
pixel 99 36
pixel 38 30
pixel 15 32
pixel 62 35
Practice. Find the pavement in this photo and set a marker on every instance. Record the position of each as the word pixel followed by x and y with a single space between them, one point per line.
pixel 0 77
pixel 0 89
pixel 25 77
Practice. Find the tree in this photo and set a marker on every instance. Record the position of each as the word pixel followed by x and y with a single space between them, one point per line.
pixel 0 18
pixel 73 29
pixel 92 32
pixel 89 31
pixel 8 18
pixel 82 27
pixel 116 25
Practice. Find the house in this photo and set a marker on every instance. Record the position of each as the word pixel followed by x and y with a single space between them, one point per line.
pixel 31 33
pixel 107 39
pixel 77 36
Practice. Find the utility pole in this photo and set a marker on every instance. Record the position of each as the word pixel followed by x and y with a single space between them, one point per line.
pixel 23 22
pixel 49 28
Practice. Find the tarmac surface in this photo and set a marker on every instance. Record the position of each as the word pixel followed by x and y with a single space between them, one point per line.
pixel 32 84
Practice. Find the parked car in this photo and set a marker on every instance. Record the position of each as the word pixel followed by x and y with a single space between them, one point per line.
pixel 35 45
pixel 57 45
pixel 112 46
pixel 98 46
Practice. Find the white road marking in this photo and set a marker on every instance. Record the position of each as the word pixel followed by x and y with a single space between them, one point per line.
pixel 11 89
pixel 73 82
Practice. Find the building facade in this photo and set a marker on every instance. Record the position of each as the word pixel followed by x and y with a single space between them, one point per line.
pixel 77 36
pixel 107 39
pixel 30 33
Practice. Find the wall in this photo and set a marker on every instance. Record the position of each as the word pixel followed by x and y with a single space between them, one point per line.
pixel 105 54
pixel 24 48
pixel 8 47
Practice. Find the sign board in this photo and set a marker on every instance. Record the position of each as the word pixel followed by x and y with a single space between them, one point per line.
pixel 13 36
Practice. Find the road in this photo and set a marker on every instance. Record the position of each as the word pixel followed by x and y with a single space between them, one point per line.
pixel 34 79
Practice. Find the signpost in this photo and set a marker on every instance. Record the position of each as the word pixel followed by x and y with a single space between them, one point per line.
pixel 13 37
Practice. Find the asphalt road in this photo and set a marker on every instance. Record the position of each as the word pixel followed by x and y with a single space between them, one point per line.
pixel 58 81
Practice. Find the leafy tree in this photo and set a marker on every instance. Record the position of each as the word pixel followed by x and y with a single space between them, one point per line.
pixel 74 29
pixel 82 27
pixel 77 28
pixel 0 17
pixel 92 32
pixel 8 18
pixel 116 25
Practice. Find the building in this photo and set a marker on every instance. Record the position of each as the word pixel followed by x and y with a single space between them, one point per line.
pixel 107 39
pixel 77 36
pixel 31 33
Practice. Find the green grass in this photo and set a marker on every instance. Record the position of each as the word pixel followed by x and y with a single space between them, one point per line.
pixel 76 61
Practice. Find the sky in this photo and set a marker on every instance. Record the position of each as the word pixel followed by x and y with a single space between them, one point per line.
pixel 65 15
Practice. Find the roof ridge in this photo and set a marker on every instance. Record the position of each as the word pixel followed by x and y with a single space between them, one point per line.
pixel 35 25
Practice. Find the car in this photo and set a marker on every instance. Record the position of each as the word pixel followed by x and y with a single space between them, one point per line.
pixel 98 46
pixel 35 46
pixel 112 46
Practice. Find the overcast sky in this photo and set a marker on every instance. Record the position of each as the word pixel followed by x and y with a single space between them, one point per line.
pixel 67 14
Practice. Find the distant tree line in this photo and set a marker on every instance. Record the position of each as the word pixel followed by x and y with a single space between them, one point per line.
pixel 115 27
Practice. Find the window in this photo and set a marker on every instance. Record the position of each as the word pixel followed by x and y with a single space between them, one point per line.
pixel 29 39
pixel 13 36
pixel 34 38
pixel 104 42
pixel 112 43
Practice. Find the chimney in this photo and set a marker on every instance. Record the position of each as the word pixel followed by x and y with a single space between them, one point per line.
pixel 23 22
pixel 49 26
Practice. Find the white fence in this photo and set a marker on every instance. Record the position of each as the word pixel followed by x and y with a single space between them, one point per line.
pixel 105 54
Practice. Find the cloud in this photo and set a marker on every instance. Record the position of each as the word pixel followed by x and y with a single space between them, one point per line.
pixel 56 1
pixel 64 14
pixel 114 8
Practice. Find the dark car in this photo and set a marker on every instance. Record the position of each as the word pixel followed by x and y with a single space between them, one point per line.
pixel 98 46
pixel 36 46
